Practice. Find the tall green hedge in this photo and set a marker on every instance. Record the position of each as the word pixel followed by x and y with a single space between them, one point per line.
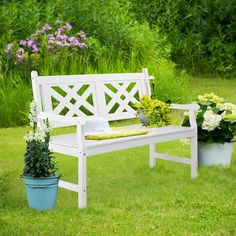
pixel 202 32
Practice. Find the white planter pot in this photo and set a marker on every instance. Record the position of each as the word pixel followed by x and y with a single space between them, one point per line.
pixel 214 154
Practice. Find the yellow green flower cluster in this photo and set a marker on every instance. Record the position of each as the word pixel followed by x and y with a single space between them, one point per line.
pixel 156 111
pixel 203 99
pixel 230 118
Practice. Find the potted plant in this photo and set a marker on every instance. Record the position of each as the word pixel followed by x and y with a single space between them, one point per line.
pixel 39 172
pixel 216 121
pixel 153 112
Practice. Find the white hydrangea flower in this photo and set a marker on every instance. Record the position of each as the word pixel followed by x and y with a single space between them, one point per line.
pixel 220 106
pixel 211 120
pixel 230 107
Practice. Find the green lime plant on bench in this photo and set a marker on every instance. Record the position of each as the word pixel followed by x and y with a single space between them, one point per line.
pixel 153 112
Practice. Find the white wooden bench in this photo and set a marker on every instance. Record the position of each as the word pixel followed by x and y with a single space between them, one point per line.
pixel 67 100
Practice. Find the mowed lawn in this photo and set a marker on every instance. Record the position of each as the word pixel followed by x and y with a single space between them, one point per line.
pixel 125 196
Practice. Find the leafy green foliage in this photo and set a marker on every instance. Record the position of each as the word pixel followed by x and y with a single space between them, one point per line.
pixel 169 84
pixel 203 33
pixel 155 111
pixel 39 160
pixel 15 97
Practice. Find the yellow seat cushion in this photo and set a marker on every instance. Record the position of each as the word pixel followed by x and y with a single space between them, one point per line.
pixel 119 133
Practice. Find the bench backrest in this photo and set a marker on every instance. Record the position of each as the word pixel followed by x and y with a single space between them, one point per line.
pixel 107 95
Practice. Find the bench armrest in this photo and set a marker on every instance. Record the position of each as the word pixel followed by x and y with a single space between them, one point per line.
pixel 192 109
pixel 62 119
pixel 189 107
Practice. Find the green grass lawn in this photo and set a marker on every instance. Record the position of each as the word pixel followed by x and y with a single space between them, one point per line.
pixel 125 196
pixel 222 87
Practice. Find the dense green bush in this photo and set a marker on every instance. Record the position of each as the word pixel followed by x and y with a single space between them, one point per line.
pixel 202 32
pixel 122 36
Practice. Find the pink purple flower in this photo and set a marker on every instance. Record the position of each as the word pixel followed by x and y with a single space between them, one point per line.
pixel 72 39
pixel 51 41
pixel 62 37
pixel 68 26
pixel 59 43
pixel 20 57
pixel 47 27
pixel 50 36
pixel 40 31
pixel 30 42
pixel 8 48
pixel 23 42
pixel 59 31
pixel 82 35
pixel 58 21
pixel 35 49
pixel 20 51
pixel 54 40
pixel 82 45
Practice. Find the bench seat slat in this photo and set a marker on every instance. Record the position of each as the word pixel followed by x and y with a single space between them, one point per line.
pixel 92 147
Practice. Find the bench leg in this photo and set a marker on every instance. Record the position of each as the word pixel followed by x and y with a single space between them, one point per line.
pixel 152 159
pixel 82 181
pixel 194 157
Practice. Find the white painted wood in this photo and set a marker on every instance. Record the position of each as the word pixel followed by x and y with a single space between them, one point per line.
pixel 71 79
pixel 82 169
pixel 59 118
pixel 189 107
pixel 183 160
pixel 76 145
pixel 93 147
pixel 68 185
pixel 37 95
pixel 147 82
pixel 194 156
pixel 121 97
pixel 152 150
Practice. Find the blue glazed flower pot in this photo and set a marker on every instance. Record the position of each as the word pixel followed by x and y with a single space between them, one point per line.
pixel 41 192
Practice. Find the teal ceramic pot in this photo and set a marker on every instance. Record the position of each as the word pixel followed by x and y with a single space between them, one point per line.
pixel 41 192
pixel 214 154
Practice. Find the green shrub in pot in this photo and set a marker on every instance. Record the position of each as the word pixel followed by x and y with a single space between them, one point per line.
pixel 153 112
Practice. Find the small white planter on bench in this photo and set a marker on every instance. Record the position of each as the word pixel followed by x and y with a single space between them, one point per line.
pixel 67 100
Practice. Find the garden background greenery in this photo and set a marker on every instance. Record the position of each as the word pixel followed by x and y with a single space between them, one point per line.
pixel 190 48
pixel 171 38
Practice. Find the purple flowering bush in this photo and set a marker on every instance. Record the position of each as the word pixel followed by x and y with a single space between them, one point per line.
pixel 57 40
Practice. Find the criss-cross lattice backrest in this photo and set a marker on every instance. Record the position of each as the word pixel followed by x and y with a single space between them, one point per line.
pixel 117 98
pixel 70 99
pixel 107 95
